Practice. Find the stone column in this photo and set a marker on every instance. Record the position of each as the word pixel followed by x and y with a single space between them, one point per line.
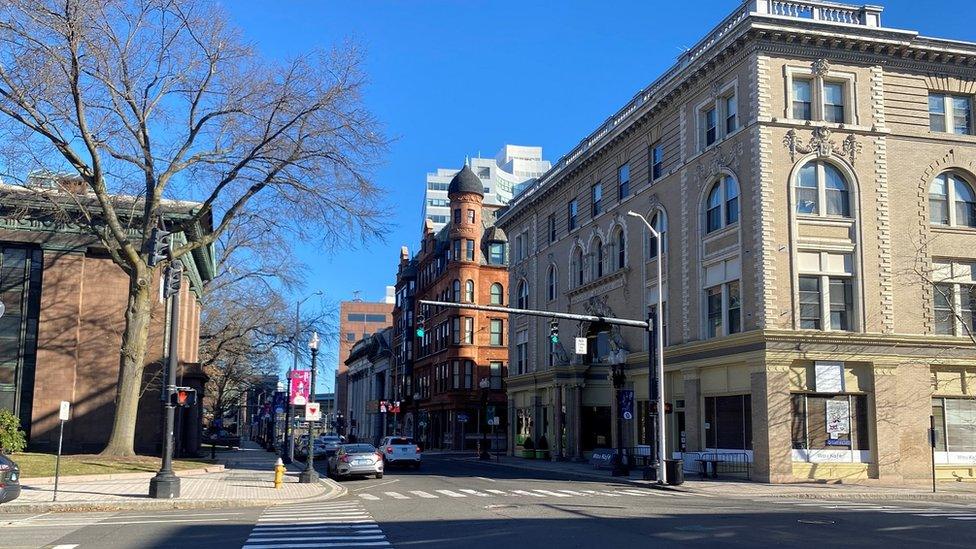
pixel 693 416
pixel 557 416
pixel 512 426
pixel 771 423
pixel 901 402
pixel 575 421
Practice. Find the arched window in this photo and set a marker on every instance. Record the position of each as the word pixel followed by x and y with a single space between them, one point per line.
pixel 469 291
pixel 660 224
pixel 552 283
pixel 578 266
pixel 952 201
pixel 722 204
pixel 522 295
pixel 456 287
pixel 597 258
pixel 621 249
pixel 822 190
pixel 496 293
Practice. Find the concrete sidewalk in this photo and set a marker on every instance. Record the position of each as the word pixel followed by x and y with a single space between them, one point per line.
pixel 247 480
pixel 946 491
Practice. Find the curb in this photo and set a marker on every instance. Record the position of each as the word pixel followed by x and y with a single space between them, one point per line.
pixel 334 491
pixel 217 468
pixel 593 476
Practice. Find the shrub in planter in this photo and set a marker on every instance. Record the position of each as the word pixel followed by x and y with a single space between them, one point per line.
pixel 542 450
pixel 12 439
pixel 528 448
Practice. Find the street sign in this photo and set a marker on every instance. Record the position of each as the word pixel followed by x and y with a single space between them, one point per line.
pixel 63 413
pixel 313 411
pixel 581 345
pixel 462 418
pixel 494 421
pixel 300 385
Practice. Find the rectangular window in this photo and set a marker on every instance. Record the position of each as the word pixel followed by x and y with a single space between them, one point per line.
pixel 456 330
pixel 623 179
pixel 950 113
pixel 495 369
pixel 469 249
pixel 468 374
pixel 954 304
pixel 709 124
pixel 657 161
pixel 470 216
pixel 457 215
pixel 802 99
pixel 833 102
pixel 455 374
pixel 496 332
pixel 375 318
pixel 468 330
pixel 734 314
pixel 596 195
pixel 484 173
pixel 521 352
pixel 572 211
pixel 496 253
pixel 552 228
pixel 713 300
pixel 841 304
pixel 356 317
pixel 350 336
pixel 728 422
pixel 829 422
pixel 810 303
pixel 457 250
pixel 731 111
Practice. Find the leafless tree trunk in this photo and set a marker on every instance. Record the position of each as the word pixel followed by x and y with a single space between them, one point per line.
pixel 150 101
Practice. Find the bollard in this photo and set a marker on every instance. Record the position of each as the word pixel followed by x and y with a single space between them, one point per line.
pixel 279 473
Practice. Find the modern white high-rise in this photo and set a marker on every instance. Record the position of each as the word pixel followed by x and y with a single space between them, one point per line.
pixel 503 176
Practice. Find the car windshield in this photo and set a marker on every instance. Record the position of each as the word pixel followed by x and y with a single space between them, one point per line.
pixel 401 441
pixel 358 449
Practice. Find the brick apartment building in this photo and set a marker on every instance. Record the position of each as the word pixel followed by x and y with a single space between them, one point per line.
pixel 357 320
pixel 60 333
pixel 439 374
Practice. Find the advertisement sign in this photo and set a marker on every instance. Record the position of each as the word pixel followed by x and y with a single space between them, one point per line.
pixel 838 416
pixel 625 401
pixel 300 385
pixel 313 411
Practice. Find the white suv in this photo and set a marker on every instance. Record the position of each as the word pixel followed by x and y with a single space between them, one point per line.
pixel 400 450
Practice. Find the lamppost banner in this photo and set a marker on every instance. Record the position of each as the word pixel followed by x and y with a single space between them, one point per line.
pixel 301 381
pixel 626 401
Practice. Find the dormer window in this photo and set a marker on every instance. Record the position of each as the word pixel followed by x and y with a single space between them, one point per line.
pixel 496 253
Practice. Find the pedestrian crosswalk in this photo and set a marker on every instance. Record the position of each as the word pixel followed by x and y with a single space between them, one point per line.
pixel 921 511
pixel 313 525
pixel 533 493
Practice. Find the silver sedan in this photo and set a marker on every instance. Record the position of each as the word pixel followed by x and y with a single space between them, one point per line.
pixel 356 459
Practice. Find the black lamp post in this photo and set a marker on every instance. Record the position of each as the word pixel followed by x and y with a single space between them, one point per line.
pixel 617 378
pixel 485 384
pixel 309 475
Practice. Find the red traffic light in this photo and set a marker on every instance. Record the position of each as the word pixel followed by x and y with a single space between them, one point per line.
pixel 184 397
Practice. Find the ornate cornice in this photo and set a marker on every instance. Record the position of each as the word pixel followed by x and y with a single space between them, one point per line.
pixel 821 144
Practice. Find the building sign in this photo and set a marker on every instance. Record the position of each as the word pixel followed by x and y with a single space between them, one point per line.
pixel 625 401
pixel 301 381
pixel 462 418
pixel 581 345
pixel 601 457
pixel 838 414
pixel 829 377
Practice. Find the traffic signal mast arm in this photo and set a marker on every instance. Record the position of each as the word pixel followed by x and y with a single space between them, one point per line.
pixel 535 312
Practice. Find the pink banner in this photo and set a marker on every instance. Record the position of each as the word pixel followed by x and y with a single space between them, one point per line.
pixel 300 381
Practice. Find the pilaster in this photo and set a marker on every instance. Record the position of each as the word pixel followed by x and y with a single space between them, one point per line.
pixel 771 423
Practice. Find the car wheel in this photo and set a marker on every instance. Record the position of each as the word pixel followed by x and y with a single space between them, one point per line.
pixel 379 475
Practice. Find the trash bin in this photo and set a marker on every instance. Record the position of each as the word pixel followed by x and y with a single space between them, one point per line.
pixel 674 471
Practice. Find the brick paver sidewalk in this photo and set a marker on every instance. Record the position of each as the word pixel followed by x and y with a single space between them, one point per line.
pixel 248 477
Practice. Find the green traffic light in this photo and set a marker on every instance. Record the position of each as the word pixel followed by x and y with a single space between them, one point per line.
pixel 420 332
pixel 554 338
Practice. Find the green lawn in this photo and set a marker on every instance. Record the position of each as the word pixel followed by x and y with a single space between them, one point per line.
pixel 42 465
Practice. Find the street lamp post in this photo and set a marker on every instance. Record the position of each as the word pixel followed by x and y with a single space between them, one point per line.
pixel 289 456
pixel 656 390
pixel 485 384
pixel 309 475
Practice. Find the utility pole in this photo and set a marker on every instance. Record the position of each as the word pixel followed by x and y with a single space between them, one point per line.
pixel 166 485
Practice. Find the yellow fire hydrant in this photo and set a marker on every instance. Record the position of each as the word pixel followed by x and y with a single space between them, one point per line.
pixel 279 473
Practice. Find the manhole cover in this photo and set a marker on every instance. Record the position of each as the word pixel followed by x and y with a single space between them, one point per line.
pixel 809 521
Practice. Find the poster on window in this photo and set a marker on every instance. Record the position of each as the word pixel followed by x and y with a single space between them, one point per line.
pixel 828 376
pixel 838 418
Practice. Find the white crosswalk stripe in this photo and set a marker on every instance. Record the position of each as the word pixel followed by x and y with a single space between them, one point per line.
pixel 451 494
pixel 921 512
pixel 396 495
pixel 308 526
pixel 474 492
pixel 536 493
pixel 422 494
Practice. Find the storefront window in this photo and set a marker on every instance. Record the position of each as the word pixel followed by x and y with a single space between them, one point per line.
pixel 829 422
pixel 523 425
pixel 955 424
pixel 728 422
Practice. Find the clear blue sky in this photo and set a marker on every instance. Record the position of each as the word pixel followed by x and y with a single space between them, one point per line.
pixel 451 78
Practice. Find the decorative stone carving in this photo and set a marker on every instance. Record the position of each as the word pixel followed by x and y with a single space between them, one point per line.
pixel 820 67
pixel 719 158
pixel 821 144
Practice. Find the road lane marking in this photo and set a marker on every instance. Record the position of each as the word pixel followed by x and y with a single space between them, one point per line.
pixel 497 492
pixel 573 493
pixel 375 485
pixel 474 493
pixel 65 546
pixel 396 495
pixel 451 494
pixel 551 493
pixel 423 494
pixel 596 493
pixel 526 493
pixel 369 497
pixel 486 478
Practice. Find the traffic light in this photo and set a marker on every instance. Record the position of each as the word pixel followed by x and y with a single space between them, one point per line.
pixel 184 397
pixel 421 329
pixel 159 243
pixel 554 331
pixel 172 278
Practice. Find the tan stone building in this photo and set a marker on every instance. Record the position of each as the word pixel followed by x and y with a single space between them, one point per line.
pixel 813 173
pixel 357 320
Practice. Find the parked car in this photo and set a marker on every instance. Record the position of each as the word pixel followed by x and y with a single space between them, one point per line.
pixel 356 459
pixel 400 450
pixel 9 479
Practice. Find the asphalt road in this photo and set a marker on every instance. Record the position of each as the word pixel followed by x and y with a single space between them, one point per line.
pixel 460 502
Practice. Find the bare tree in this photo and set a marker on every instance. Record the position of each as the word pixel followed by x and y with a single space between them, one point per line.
pixel 161 99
